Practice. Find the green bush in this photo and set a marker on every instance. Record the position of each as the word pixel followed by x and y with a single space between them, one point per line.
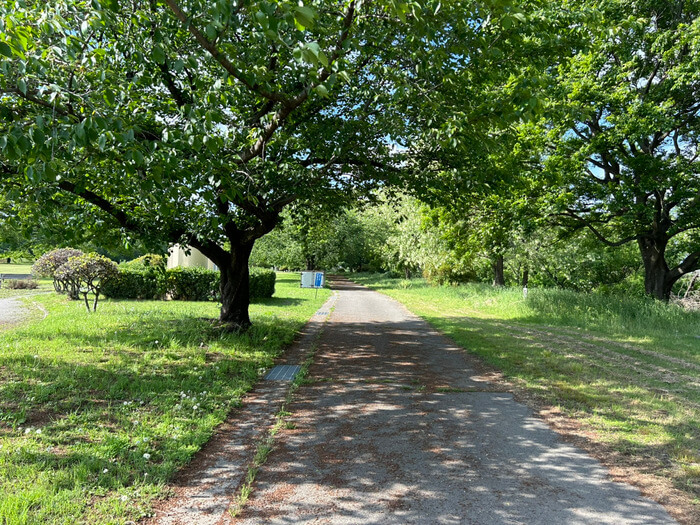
pixel 150 260
pixel 262 283
pixel 133 282
pixel 193 284
pixel 21 284
pixel 136 280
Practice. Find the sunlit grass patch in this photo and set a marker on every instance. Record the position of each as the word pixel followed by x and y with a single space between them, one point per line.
pixel 99 410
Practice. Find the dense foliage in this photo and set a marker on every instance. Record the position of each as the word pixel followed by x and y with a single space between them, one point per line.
pixel 624 138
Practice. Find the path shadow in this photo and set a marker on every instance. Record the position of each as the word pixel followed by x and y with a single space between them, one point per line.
pixel 395 426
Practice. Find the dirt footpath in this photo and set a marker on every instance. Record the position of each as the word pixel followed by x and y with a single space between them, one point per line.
pixel 396 426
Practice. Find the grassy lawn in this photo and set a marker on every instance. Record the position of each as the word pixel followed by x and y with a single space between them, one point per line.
pixel 629 369
pixel 15 269
pixel 98 411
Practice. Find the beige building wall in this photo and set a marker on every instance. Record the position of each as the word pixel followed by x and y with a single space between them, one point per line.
pixel 196 259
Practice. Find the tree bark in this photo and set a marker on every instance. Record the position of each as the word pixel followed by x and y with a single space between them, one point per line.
pixel 498 276
pixel 235 288
pixel 526 277
pixel 657 279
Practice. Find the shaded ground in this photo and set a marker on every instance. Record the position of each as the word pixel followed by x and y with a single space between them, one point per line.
pixel 397 426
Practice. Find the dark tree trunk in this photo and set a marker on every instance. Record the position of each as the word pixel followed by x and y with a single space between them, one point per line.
pixel 311 263
pixel 526 276
pixel 235 288
pixel 658 280
pixel 498 277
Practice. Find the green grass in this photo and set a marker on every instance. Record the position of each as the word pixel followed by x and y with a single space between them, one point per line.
pixel 98 411
pixel 15 269
pixel 627 367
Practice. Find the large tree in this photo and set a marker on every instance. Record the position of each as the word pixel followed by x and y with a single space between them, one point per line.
pixel 198 122
pixel 625 143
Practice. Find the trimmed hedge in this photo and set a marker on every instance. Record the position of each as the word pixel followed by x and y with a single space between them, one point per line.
pixel 137 283
pixel 193 284
pixel 262 283
pixel 182 284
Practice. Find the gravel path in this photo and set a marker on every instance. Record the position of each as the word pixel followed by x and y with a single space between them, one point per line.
pixel 11 311
pixel 397 427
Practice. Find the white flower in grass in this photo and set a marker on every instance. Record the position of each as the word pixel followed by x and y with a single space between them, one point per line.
pixel 146 456
pixel 38 431
pixel 105 471
pixel 27 430
pixel 196 407
pixel 124 498
pixel 36 356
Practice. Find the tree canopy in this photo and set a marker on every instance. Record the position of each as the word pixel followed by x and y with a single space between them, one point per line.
pixel 623 142
pixel 198 122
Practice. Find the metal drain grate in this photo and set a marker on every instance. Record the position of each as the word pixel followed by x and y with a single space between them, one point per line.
pixel 283 373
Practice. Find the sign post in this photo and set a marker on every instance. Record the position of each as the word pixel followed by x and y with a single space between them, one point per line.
pixel 313 280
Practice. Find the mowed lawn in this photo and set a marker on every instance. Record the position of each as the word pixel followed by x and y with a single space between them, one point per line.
pixel 98 411
pixel 15 269
pixel 627 368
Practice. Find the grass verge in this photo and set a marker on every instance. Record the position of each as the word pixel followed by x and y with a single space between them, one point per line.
pixel 628 369
pixel 98 411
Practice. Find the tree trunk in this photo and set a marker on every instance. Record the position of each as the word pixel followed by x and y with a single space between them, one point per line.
pixel 498 277
pixel 235 288
pixel 657 281
pixel 526 277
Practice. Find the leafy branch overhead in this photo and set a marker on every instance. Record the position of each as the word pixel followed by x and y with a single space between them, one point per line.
pixel 198 122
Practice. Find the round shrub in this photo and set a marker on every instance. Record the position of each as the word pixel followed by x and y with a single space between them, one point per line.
pixel 47 264
pixel 85 274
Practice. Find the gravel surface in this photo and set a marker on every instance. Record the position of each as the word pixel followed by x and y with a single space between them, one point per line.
pixel 11 311
pixel 398 427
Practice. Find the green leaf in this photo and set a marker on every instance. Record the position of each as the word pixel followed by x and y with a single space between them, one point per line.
pixel 5 49
pixel 22 86
pixel 210 30
pixel 158 55
pixel 102 142
pixel 304 17
pixel 321 90
pixel 109 96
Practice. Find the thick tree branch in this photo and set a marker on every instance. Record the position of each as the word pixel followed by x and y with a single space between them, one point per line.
pixel 97 200
pixel 583 223
pixel 689 264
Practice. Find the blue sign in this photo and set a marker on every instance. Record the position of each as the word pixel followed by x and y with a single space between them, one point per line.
pixel 318 280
